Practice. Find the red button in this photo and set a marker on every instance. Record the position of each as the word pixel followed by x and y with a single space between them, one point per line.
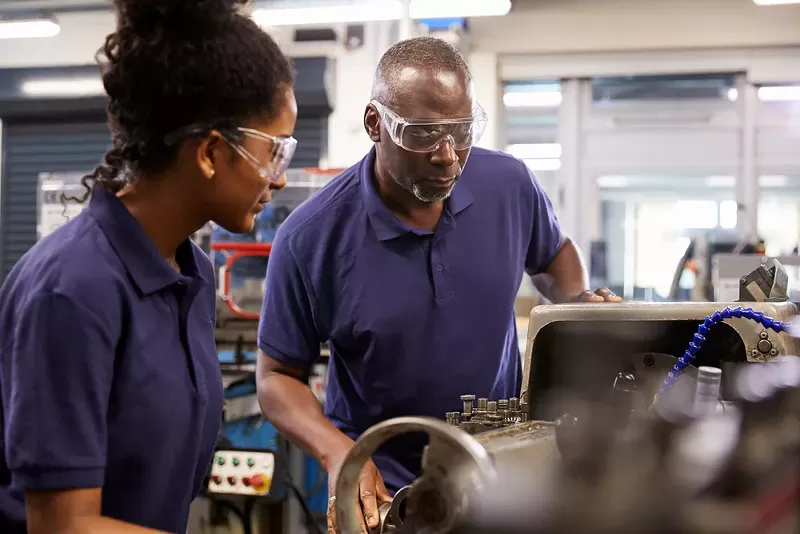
pixel 246 481
pixel 216 479
pixel 231 480
pixel 258 481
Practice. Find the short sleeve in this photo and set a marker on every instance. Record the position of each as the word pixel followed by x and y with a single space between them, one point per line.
pixel 546 237
pixel 287 330
pixel 58 373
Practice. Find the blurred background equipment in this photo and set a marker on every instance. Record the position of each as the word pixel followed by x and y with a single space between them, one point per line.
pixel 257 476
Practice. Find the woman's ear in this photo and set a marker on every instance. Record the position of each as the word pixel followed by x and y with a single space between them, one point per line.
pixel 208 154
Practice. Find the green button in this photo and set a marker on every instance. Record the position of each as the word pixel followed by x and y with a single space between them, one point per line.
pixel 235 462
pixel 251 462
pixel 220 460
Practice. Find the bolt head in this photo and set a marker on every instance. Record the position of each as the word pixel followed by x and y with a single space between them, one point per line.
pixel 763 335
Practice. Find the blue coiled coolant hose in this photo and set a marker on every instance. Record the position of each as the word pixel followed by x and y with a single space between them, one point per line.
pixel 702 331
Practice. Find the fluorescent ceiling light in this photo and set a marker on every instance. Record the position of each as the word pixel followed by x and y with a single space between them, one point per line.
pixel 543 164
pixel 776 2
pixel 75 87
pixel 777 180
pixel 535 151
pixel 720 181
pixel 785 93
pixel 612 182
pixel 733 94
pixel 26 29
pixel 299 16
pixel 377 11
pixel 532 99
pixel 456 9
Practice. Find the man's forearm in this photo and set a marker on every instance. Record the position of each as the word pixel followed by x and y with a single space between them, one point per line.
pixel 566 277
pixel 290 405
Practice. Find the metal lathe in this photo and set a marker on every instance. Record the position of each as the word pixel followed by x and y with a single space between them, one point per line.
pixel 637 417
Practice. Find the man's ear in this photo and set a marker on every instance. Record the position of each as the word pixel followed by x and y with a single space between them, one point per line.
pixel 372 123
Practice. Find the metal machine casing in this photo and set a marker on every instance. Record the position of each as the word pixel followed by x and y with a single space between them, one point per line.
pixel 611 339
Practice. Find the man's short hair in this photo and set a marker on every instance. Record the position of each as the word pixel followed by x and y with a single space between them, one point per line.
pixel 420 53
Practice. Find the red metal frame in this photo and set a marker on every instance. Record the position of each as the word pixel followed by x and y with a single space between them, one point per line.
pixel 237 251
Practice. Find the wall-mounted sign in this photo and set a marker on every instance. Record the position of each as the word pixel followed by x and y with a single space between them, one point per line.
pixel 57 191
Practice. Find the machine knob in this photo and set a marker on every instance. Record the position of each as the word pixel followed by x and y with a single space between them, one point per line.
pixel 258 482
pixel 468 401
pixel 568 436
pixel 513 404
pixel 491 407
pixel 482 404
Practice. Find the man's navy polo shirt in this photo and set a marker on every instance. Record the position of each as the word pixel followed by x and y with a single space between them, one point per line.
pixel 414 319
pixel 109 372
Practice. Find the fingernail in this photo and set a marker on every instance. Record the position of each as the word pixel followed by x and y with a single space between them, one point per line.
pixel 372 521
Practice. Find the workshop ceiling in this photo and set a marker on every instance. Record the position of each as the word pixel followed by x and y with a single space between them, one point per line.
pixel 12 7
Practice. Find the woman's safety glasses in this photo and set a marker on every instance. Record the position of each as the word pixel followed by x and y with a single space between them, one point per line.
pixel 268 154
pixel 427 135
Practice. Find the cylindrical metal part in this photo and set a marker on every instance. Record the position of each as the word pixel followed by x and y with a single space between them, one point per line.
pixel 469 401
pixel 491 407
pixel 513 404
pixel 707 392
pixel 482 404
pixel 452 418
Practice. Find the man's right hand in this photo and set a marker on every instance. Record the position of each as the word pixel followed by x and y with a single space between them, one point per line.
pixel 371 490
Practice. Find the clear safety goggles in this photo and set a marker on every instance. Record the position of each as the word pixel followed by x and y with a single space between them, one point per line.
pixel 269 155
pixel 427 135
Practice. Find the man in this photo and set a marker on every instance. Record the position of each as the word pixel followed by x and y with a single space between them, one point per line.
pixel 408 265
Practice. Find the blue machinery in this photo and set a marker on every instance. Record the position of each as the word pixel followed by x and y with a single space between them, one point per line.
pixel 253 463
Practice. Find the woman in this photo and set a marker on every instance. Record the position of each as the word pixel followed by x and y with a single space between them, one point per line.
pixel 111 390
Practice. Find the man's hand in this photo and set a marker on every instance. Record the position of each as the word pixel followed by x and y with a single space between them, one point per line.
pixel 601 295
pixel 371 490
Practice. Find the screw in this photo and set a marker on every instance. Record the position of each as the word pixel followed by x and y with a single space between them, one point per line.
pixel 763 335
pixel 649 360
pixel 773 352
pixel 754 353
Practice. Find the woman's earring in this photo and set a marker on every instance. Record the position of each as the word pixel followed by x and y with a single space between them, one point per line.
pixel 211 173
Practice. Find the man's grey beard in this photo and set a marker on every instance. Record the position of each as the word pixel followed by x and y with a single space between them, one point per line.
pixel 417 191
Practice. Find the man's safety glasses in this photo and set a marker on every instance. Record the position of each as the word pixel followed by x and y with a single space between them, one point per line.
pixel 427 135
pixel 269 155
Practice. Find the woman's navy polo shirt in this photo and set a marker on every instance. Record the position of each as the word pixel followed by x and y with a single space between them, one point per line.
pixel 108 370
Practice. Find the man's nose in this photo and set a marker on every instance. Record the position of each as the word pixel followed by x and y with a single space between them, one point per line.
pixel 445 154
pixel 278 184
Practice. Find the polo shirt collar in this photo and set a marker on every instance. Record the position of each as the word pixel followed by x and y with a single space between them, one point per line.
pixel 385 223
pixel 147 267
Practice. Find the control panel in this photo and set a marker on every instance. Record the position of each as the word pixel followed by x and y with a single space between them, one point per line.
pixel 241 472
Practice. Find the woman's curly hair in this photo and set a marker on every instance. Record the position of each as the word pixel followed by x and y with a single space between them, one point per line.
pixel 175 63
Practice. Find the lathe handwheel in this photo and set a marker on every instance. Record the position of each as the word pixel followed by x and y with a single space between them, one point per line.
pixel 454 464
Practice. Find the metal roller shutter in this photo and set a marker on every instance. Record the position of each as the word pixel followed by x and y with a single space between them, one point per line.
pixel 33 148
pixel 30 149
pixel 311 133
